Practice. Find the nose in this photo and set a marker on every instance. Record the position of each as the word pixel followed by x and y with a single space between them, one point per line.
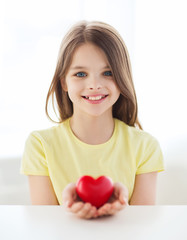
pixel 94 83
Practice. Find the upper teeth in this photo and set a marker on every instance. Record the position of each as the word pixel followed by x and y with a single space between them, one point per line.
pixel 95 98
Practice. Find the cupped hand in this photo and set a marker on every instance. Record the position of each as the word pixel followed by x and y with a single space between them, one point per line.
pixel 117 202
pixel 74 204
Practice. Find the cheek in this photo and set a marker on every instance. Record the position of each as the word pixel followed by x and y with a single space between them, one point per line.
pixel 63 85
pixel 73 91
pixel 69 85
pixel 115 89
pixel 117 95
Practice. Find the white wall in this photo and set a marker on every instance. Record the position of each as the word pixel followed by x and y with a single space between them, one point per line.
pixel 160 72
pixel 160 78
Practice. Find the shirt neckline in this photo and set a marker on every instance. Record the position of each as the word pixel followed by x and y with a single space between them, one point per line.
pixel 79 142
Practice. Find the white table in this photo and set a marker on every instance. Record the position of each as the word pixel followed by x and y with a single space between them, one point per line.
pixel 55 223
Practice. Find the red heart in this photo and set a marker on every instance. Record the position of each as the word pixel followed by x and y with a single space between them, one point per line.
pixel 95 191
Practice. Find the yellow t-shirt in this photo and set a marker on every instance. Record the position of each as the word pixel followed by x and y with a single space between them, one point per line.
pixel 56 152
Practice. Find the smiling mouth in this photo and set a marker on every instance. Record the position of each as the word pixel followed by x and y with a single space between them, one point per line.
pixel 96 98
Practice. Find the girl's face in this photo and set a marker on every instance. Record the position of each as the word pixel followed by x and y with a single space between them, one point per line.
pixel 89 82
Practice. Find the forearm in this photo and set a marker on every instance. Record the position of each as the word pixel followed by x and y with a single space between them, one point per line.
pixel 41 191
pixel 144 189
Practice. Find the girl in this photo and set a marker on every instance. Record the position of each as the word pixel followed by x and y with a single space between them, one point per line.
pixel 98 132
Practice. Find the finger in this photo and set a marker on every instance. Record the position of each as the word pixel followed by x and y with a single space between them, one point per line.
pixel 115 207
pixel 82 213
pixel 92 213
pixel 104 209
pixel 123 197
pixel 69 194
pixel 76 207
pixel 121 193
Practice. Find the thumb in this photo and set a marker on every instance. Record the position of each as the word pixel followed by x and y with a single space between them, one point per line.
pixel 122 193
pixel 69 195
pixel 123 199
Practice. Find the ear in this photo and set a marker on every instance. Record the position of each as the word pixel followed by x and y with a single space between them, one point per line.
pixel 63 84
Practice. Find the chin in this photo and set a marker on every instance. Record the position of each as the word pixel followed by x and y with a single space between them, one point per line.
pixel 99 114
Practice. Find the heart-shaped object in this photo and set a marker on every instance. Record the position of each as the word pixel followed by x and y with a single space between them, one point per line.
pixel 95 191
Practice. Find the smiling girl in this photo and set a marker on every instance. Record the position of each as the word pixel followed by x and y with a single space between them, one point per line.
pixel 98 131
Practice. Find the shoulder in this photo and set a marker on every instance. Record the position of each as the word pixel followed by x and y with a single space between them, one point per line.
pixel 48 135
pixel 135 135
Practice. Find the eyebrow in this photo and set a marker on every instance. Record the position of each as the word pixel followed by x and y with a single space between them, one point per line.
pixel 82 67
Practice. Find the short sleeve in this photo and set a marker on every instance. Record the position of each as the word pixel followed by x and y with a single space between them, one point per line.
pixel 150 158
pixel 34 157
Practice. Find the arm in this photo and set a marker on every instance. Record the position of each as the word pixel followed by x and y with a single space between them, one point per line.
pixel 144 189
pixel 41 191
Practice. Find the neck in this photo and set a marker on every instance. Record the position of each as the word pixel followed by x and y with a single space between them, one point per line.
pixel 92 130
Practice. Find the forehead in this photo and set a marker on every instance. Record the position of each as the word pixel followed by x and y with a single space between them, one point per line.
pixel 89 54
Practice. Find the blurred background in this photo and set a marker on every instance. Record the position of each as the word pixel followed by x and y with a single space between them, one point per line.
pixel 156 36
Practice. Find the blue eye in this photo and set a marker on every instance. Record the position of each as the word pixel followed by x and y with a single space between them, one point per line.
pixel 80 74
pixel 108 73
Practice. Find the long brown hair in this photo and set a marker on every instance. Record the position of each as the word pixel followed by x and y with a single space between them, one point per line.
pixel 108 39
